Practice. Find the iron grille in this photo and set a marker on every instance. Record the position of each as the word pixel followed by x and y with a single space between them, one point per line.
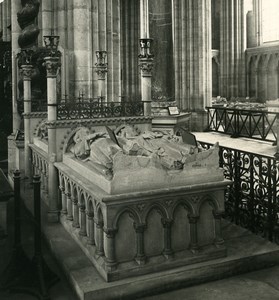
pixel 255 124
pixel 252 200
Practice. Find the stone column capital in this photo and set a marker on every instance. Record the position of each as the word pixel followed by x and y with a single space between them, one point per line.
pixel 146 66
pixel 26 71
pixel 193 219
pixel 139 227
pixel 101 70
pixel 52 64
pixel 90 215
pixel 167 223
pixel 110 232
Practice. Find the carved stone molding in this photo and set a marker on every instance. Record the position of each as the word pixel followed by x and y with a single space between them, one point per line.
pixel 26 71
pixel 146 66
pixel 101 72
pixel 52 65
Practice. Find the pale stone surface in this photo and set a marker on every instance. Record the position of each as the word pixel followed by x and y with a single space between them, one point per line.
pixel 142 162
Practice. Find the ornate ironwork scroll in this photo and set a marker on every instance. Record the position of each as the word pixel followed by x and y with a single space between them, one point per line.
pixel 252 200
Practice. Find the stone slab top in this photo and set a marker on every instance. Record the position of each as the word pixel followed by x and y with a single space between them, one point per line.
pixel 101 195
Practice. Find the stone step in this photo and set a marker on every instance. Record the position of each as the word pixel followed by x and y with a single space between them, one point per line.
pixel 246 252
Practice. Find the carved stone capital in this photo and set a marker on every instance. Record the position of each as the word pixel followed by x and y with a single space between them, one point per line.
pixel 101 71
pixel 146 66
pixel 26 71
pixel 193 219
pixel 139 228
pixel 81 207
pixel 167 223
pixel 52 64
pixel 90 215
pixel 110 232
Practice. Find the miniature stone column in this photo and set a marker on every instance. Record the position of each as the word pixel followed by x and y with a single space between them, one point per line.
pixel 82 231
pixel 193 220
pixel 27 72
pixel 110 249
pixel 52 65
pixel 75 213
pixel 69 206
pixel 91 233
pixel 64 201
pixel 167 237
pixel 101 70
pixel 140 257
pixel 219 241
pixel 99 237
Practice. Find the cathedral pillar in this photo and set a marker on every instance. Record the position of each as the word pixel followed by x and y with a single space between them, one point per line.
pixel 27 73
pixel 130 21
pixel 8 7
pixel 257 15
pixel 232 49
pixel 15 8
pixel 47 18
pixel 52 65
pixel 4 20
pixel 192 58
pixel 81 46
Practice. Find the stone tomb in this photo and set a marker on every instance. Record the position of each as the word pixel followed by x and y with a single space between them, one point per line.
pixel 142 202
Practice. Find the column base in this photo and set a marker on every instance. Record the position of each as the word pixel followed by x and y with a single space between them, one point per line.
pixel 92 243
pixel 70 218
pixel 53 216
pixel 100 252
pixel 110 266
pixel 194 249
pixel 141 260
pixel 63 212
pixel 82 233
pixel 168 254
pixel 75 225
pixel 219 243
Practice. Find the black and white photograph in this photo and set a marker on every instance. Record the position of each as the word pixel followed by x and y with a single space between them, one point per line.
pixel 139 151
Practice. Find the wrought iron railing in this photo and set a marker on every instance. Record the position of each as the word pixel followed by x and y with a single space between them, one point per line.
pixel 97 108
pixel 255 124
pixel 252 200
